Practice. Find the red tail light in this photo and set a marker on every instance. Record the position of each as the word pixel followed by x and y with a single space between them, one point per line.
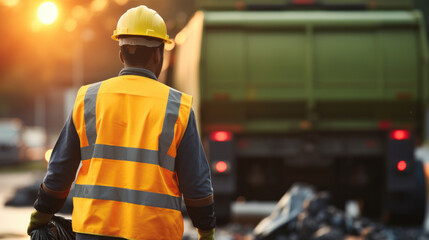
pixel 221 166
pixel 400 134
pixel 402 165
pixel 221 136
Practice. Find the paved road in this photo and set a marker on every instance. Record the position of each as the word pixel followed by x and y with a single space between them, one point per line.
pixel 14 220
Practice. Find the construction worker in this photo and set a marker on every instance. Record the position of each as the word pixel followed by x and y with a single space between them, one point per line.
pixel 137 146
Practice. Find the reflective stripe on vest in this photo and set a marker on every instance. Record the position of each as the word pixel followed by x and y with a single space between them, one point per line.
pixel 127 154
pixel 128 195
pixel 89 112
pixel 171 114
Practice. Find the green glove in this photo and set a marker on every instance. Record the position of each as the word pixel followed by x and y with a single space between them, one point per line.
pixel 38 219
pixel 206 234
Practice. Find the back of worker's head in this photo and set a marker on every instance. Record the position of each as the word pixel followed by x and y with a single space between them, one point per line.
pixel 138 51
pixel 141 33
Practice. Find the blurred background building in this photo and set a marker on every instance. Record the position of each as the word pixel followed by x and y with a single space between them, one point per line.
pixel 42 64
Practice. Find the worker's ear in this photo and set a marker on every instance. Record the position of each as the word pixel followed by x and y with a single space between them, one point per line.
pixel 120 57
pixel 158 60
pixel 157 56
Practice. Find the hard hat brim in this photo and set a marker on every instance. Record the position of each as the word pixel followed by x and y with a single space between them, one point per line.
pixel 116 37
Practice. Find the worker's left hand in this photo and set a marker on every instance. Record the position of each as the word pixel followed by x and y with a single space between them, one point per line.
pixel 206 235
pixel 38 219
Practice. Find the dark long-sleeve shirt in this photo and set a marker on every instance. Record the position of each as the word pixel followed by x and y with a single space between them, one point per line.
pixel 191 167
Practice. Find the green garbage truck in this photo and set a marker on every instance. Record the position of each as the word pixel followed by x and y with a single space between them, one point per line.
pixel 333 93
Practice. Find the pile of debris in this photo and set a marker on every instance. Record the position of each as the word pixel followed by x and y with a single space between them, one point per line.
pixel 26 196
pixel 302 214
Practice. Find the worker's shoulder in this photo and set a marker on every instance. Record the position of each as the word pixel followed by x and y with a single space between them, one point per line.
pixel 83 89
pixel 185 99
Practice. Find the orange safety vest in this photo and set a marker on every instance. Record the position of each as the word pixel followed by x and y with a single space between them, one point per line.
pixel 129 129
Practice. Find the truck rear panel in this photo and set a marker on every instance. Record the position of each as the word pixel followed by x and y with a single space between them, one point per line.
pixel 300 65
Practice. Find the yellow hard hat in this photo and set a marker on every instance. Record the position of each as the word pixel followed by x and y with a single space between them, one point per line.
pixel 141 21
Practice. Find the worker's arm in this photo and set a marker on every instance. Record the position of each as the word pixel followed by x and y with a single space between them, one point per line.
pixel 194 178
pixel 64 162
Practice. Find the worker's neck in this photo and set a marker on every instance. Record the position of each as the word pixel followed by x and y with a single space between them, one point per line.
pixel 147 67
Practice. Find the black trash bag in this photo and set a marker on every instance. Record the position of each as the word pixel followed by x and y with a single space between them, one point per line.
pixel 44 233
pixel 24 196
pixel 328 233
pixel 285 212
pixel 317 204
pixel 307 225
pixel 57 228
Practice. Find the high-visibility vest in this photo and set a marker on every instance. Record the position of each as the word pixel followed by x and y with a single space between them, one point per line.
pixel 129 129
